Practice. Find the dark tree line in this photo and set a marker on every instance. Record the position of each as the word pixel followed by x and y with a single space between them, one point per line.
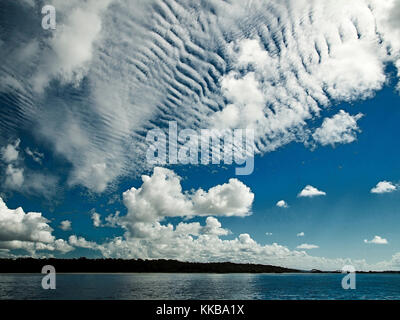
pixel 30 265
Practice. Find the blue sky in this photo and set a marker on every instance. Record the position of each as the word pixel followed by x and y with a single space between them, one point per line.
pixel 325 114
pixel 338 222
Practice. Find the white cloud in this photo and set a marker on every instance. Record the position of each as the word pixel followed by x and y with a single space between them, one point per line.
pixel 376 240
pixel 26 181
pixel 62 246
pixel 186 242
pixel 10 153
pixel 310 191
pixel 214 228
pixel 354 68
pixel 81 242
pixel 301 234
pixel 96 218
pixel 14 177
pixel 35 155
pixel 292 70
pixel 306 246
pixel 18 177
pixel 384 187
pixel 190 242
pixel 66 225
pixel 248 102
pixel 268 233
pixel 29 231
pixel 161 196
pixel 40 183
pixel 72 50
pixel 341 128
pixel 340 65
pixel 282 204
pixel 16 225
pixel 229 199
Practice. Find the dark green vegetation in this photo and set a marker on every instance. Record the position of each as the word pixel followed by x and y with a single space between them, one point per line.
pixel 30 265
pixel 84 265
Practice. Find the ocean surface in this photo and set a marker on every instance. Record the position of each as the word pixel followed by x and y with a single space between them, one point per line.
pixel 200 286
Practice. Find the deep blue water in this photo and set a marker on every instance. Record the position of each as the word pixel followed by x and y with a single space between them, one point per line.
pixel 200 286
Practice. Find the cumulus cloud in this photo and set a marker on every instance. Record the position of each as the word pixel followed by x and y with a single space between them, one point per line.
pixel 341 128
pixel 301 234
pixel 29 231
pixel 306 246
pixel 96 219
pixel 187 241
pixel 376 240
pixel 195 242
pixel 310 191
pixel 161 196
pixel 18 225
pixel 62 246
pixel 282 204
pixel 10 152
pixel 384 187
pixel 66 225
pixel 214 228
pixel 81 242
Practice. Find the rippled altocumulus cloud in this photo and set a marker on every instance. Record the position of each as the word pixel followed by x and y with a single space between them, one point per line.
pixel 114 69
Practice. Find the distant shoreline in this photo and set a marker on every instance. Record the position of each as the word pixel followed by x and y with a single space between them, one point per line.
pixel 93 266
pixel 84 265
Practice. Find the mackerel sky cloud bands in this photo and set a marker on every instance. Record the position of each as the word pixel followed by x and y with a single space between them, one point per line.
pixel 141 63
